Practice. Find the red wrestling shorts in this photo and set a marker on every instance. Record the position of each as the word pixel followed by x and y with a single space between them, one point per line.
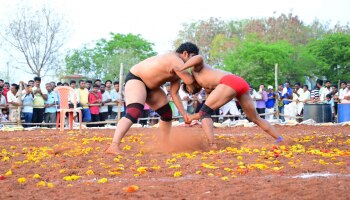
pixel 235 82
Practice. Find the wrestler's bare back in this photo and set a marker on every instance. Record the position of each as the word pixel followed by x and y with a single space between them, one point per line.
pixel 157 70
pixel 206 76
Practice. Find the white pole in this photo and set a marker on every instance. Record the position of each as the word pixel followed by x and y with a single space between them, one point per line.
pixel 276 90
pixel 120 88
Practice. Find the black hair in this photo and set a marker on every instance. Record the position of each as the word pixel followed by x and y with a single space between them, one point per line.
pixel 59 83
pixel 7 83
pixel 31 81
pixel 343 82
pixel 307 87
pixel 319 81
pixel 329 96
pixel 80 81
pixel 189 47
pixel 328 81
pixel 335 86
pixel 196 89
pixel 89 81
pixel 108 81
pixel 287 82
pixel 97 80
pixel 1 80
pixel 15 85
pixel 37 78
pixel 102 84
pixel 96 86
pixel 65 84
pixel 297 83
pixel 116 83
pixel 72 81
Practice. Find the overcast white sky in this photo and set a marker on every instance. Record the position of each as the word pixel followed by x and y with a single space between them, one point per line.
pixel 159 21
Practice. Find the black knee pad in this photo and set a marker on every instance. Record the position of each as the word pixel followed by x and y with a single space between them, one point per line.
pixel 205 112
pixel 134 111
pixel 165 113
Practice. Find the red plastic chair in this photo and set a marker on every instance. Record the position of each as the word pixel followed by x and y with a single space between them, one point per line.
pixel 63 93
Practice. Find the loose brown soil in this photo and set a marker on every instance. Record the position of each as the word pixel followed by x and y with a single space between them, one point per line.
pixel 315 164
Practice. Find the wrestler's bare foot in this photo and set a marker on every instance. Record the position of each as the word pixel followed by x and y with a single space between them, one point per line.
pixel 113 149
pixel 213 146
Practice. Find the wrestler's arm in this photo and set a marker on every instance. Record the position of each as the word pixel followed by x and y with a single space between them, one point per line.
pixel 174 88
pixel 196 62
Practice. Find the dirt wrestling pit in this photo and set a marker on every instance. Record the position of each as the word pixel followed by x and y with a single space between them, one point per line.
pixel 48 164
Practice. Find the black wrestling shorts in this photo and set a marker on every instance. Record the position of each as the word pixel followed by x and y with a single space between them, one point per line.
pixel 131 76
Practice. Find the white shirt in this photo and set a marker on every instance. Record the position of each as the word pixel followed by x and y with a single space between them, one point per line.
pixel 12 98
pixel 341 93
pixel 254 96
pixel 324 93
pixel 345 94
pixel 71 96
pixel 2 100
pixel 115 96
pixel 305 96
pixel 105 97
pixel 183 95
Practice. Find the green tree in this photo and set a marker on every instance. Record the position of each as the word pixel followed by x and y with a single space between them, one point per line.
pixel 103 60
pixel 254 60
pixel 333 53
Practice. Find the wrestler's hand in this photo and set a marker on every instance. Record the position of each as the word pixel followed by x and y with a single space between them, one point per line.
pixel 187 119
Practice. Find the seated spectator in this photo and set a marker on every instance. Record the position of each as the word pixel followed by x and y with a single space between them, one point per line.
pixel 50 106
pixel 95 97
pixel 27 102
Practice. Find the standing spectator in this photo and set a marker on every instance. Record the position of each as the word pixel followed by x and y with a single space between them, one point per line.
pixel 106 98
pixel 326 90
pixel 261 102
pixel 341 90
pixel 302 99
pixel 27 101
pixel 88 85
pixel 75 92
pixel 270 103
pixel 2 104
pixel 95 97
pixel 53 85
pixel 14 100
pixel 185 98
pixel 253 94
pixel 109 89
pixel 287 95
pixel 280 103
pixel 65 84
pixel 315 93
pixel 6 89
pixel 50 105
pixel 1 83
pixel 345 98
pixel 59 84
pixel 145 114
pixel 31 83
pixel 329 100
pixel 335 96
pixel 97 82
pixel 40 95
pixel 202 95
pixel 84 101
pixel 118 99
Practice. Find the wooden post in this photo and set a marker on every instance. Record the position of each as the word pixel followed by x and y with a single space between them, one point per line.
pixel 120 88
pixel 276 91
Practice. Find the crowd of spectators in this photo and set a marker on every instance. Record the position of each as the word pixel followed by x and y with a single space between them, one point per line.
pixel 34 103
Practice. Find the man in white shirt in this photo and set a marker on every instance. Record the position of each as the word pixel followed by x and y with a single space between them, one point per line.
pixel 106 98
pixel 303 98
pixel 346 94
pixel 342 90
pixel 14 100
pixel 116 98
pixel 325 91
pixel 255 95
